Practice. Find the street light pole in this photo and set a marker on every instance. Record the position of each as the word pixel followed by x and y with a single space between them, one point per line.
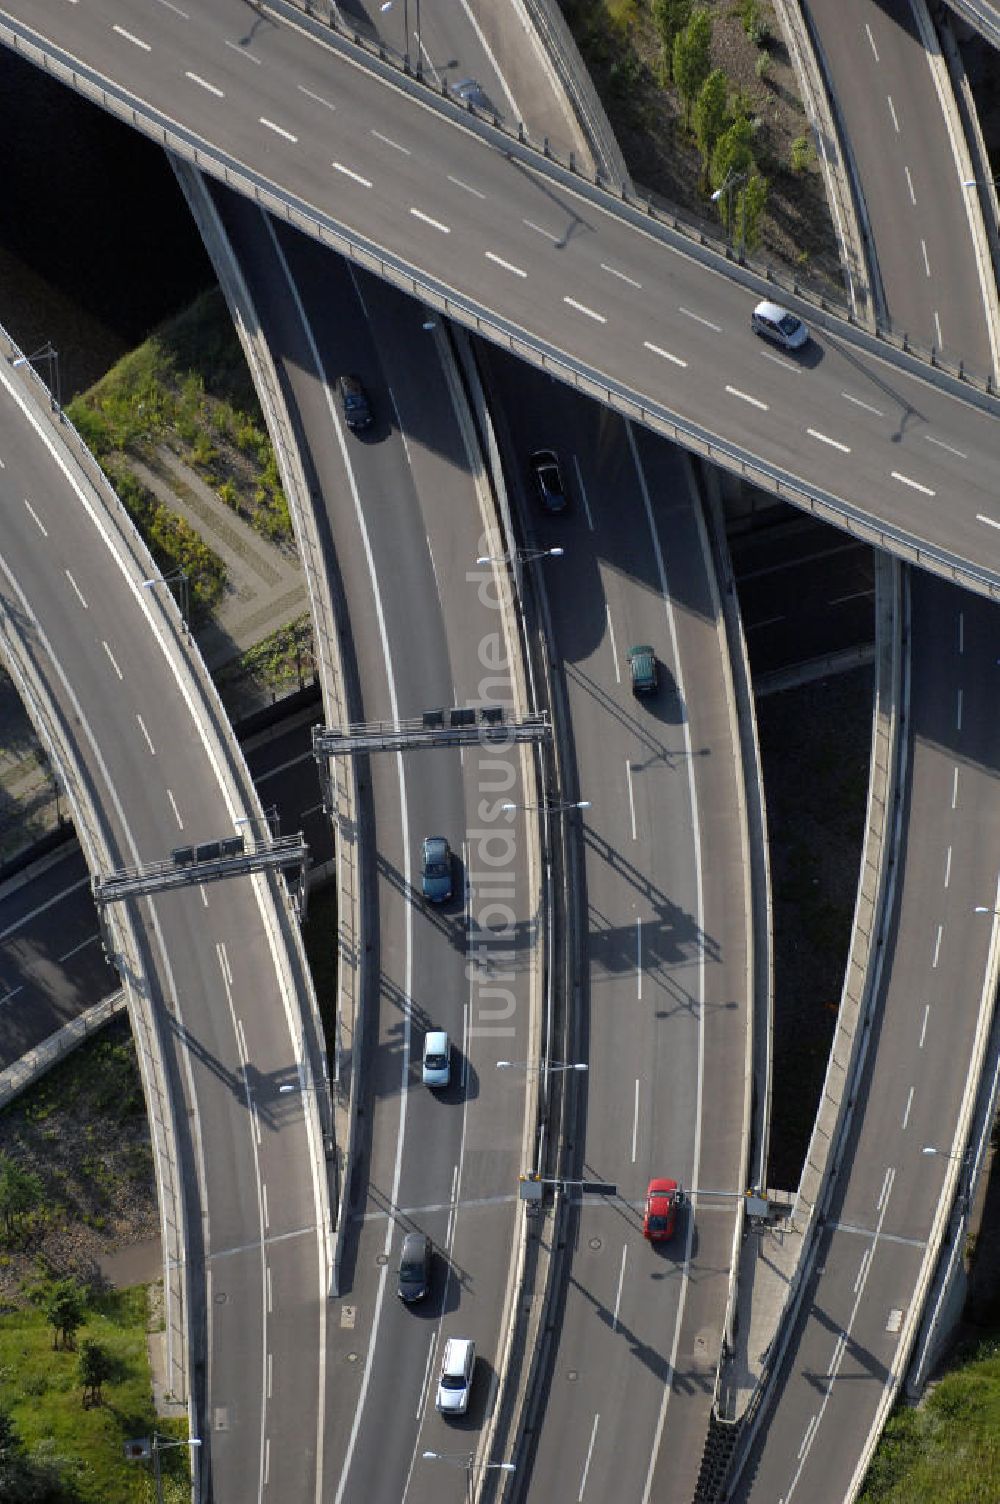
pixel 546 1066
pixel 161 1444
pixel 178 577
pixel 557 807
pixel 386 6
pixel 51 354
pixel 732 181
pixel 467 1460
pixel 521 556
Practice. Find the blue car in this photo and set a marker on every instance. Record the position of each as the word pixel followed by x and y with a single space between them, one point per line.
pixel 435 869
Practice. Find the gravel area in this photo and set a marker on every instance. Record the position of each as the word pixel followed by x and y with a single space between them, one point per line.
pixel 83 1130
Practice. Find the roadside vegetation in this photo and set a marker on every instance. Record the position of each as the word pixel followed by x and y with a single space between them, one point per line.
pixel 276 665
pixel 701 96
pixel 947 1449
pixel 76 1184
pixel 76 1172
pixel 187 391
pixel 71 1398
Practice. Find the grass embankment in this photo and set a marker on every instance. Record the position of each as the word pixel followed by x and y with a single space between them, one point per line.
pixel 83 1447
pixel 186 389
pixel 948 1450
pixel 81 1133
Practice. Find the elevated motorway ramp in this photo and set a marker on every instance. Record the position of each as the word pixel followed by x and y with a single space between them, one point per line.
pixel 544 264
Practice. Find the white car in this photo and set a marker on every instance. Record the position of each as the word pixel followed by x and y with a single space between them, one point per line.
pixel 436 1068
pixel 778 324
pixel 455 1383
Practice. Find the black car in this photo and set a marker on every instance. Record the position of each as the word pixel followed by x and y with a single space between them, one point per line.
pixel 548 480
pixel 414 1279
pixel 354 401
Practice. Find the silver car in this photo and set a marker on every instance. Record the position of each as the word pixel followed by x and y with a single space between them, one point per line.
pixel 780 325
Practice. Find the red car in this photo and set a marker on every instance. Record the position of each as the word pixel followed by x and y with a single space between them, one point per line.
pixel 663 1197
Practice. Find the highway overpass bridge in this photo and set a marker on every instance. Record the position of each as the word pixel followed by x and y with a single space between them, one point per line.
pixel 562 273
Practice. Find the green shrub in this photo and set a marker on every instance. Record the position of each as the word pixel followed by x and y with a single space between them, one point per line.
pixel 762 66
pixel 753 22
pixel 803 153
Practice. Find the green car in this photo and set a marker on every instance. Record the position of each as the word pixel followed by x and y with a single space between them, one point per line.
pixel 642 668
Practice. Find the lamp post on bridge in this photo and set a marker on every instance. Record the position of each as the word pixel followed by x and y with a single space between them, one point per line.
pixel 732 182
pixel 51 354
pixel 387 6
pixel 467 1460
pixel 521 556
pixel 179 578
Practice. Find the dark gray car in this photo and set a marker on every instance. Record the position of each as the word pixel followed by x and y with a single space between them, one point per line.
pixel 414 1267
pixel 435 869
pixel 354 401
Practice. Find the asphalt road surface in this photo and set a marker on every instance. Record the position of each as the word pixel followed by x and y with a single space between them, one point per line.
pixel 664 998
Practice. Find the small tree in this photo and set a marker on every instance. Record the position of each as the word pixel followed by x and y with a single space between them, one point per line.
pixel 670 18
pixel 95 1369
pixel 732 155
pixel 751 207
pixel 64 1311
pixel 692 59
pixel 710 116
pixel 20 1192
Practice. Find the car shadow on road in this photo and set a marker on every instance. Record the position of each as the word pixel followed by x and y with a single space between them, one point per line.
pixel 667 705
